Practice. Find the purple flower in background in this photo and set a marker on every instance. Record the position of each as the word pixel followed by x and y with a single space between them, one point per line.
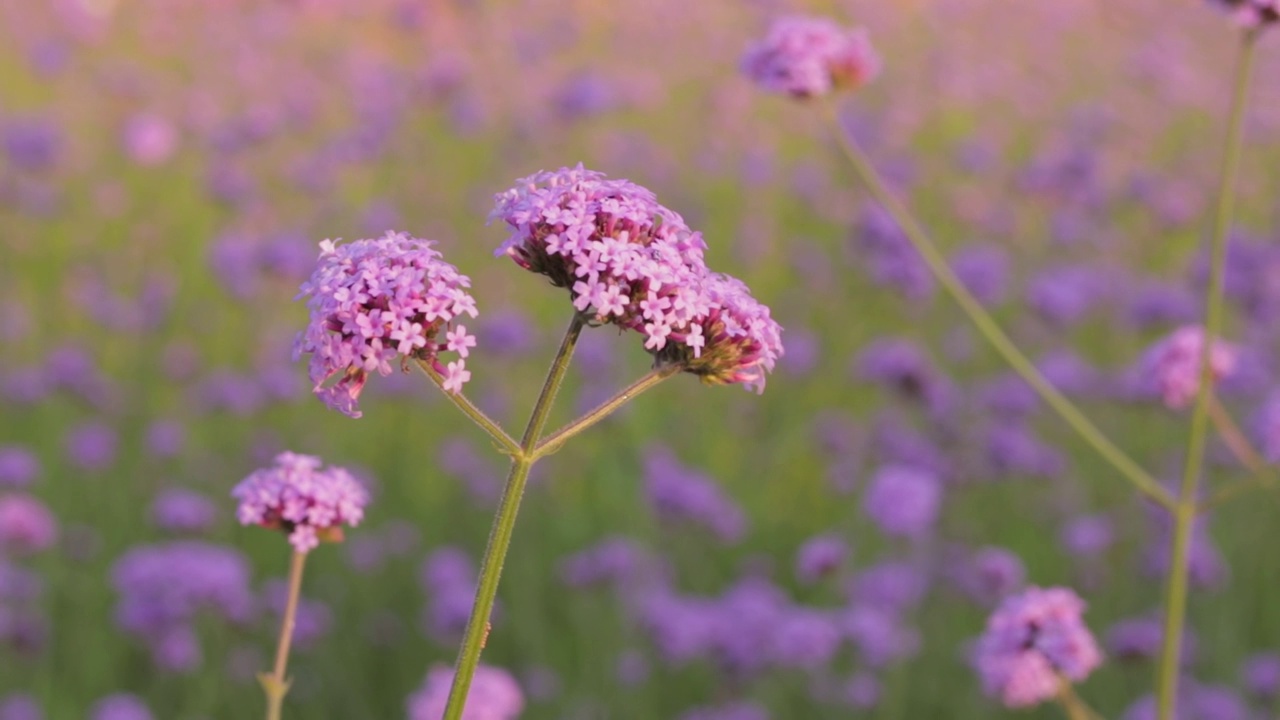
pixel 806 638
pixel 807 57
pixel 507 332
pixel 612 560
pixel 1157 303
pixel 183 511
pixel 26 525
pixel 678 493
pixel 1087 535
pixel 631 262
pixel 19 467
pixel 1032 639
pixel 494 695
pixel 1260 675
pixel 1064 295
pixel 879 634
pixel 984 271
pixel 298 497
pixel 31 143
pixel 20 706
pixel 632 668
pixel 149 139
pixel 819 557
pixel 743 710
pixel 894 586
pixel 449 579
pixel 372 301
pixel 900 364
pixel 903 501
pixel 121 706
pixel 1204 562
pixel 92 446
pixel 165 438
pixel 991 573
pixel 162 588
pixel 1172 366
pixel 1068 372
pixel 888 255
pixel 1013 449
pixel 1265 425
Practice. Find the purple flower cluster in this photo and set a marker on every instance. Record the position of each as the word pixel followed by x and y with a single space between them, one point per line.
pixel 26 525
pixel 1033 640
pixel 494 695
pixel 681 494
pixel 162 588
pixel 1251 13
pixel 449 579
pixel 372 301
pixel 1172 365
pixel 810 57
pixel 903 501
pixel 308 503
pixel 631 262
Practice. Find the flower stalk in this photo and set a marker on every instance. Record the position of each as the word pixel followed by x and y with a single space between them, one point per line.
pixel 1185 510
pixel 275 684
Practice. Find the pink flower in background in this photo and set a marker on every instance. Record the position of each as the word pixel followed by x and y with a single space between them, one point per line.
pixel 149 139
pixel 1033 641
pixel 809 57
pixel 373 301
pixel 308 503
pixel 26 525
pixel 1172 365
pixel 494 695
pixel 1251 13
pixel 631 262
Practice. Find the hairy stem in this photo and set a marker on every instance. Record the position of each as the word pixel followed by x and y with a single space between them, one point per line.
pixel 275 685
pixel 557 439
pixel 504 524
pixel 987 325
pixel 489 425
pixel 1184 512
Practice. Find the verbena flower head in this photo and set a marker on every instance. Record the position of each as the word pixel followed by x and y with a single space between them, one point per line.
pixel 628 261
pixel 120 706
pixel 809 57
pixel 372 301
pixel 1251 13
pixel 1173 365
pixel 1032 641
pixel 494 695
pixel 26 525
pixel 306 502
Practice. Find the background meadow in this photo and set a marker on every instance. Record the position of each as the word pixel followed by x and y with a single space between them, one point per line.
pixel 167 170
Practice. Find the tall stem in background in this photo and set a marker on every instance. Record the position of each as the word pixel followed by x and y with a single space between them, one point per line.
pixel 1184 512
pixel 275 685
pixel 987 325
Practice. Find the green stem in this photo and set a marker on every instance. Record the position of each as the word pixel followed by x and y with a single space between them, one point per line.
pixel 987 325
pixel 1072 704
pixel 489 425
pixel 275 685
pixel 1184 512
pixel 504 524
pixel 557 439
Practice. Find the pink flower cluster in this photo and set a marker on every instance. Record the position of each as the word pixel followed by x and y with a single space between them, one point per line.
pixel 298 497
pixel 494 695
pixel 1033 641
pixel 1173 365
pixel 809 57
pixel 631 262
pixel 372 301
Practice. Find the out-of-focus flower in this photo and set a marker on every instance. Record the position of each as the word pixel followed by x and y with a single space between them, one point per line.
pixel 1251 13
pixel 149 139
pixel 809 57
pixel 679 493
pixel 372 301
pixel 743 710
pixel 903 501
pixel 1260 675
pixel 183 511
pixel 1265 425
pixel 92 446
pixel 163 587
pixel 121 706
pixel 879 245
pixel 20 706
pixel 1173 365
pixel 1033 639
pixel 296 496
pixel 19 467
pixel 984 271
pixel 819 557
pixel 631 262
pixel 494 695
pixel 991 573
pixel 612 560
pixel 1087 535
pixel 31 143
pixel 895 586
pixel 26 525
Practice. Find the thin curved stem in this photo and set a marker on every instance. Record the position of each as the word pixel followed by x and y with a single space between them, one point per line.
pixel 275 685
pixel 557 439
pixel 486 423
pixel 1235 438
pixel 987 325
pixel 504 524
pixel 1072 704
pixel 1185 510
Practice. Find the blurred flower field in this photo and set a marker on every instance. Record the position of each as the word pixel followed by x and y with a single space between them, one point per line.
pixel 830 547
